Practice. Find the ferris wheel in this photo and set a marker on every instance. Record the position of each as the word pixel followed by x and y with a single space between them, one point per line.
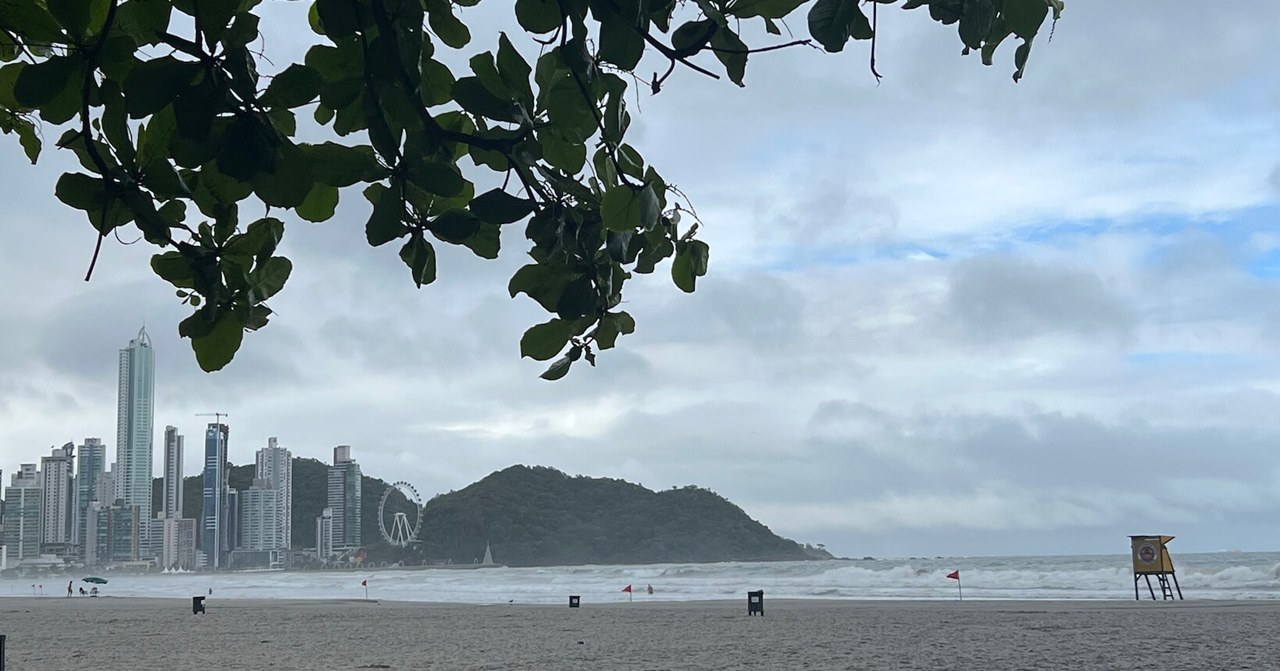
pixel 399 501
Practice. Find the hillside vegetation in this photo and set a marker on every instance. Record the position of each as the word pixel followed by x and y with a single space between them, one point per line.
pixel 535 516
pixel 539 516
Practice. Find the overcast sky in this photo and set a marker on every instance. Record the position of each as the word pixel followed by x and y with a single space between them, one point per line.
pixel 948 314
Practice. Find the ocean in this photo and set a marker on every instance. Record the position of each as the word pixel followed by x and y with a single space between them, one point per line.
pixel 1227 576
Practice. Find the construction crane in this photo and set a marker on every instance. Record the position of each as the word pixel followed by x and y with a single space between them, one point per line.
pixel 216 415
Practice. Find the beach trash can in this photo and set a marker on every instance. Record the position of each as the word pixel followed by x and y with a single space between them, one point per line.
pixel 755 602
pixel 574 600
pixel 197 605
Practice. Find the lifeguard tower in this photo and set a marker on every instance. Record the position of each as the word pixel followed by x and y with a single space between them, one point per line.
pixel 1151 558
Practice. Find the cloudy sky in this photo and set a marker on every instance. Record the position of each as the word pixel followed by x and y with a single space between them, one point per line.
pixel 946 315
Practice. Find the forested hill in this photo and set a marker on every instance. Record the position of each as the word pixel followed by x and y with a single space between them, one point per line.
pixel 541 516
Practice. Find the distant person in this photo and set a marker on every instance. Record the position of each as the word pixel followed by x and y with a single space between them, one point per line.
pixel 651 589
pixel 210 591
pixel 69 590
pixel 82 592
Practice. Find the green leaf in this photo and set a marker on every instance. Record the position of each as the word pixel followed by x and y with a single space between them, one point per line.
pixel 81 192
pixel 445 25
pixel 621 209
pixel 215 349
pixel 173 268
pixel 454 226
pixel 499 207
pixel 541 283
pixel 570 157
pixel 557 369
pixel 975 22
pixel 420 256
pixel 296 86
pixel 693 35
pixel 270 278
pixel 40 83
pixel 320 203
pixel 578 299
pixel 647 201
pixel 72 14
pixel 620 42
pixel 689 265
pixel 386 222
pixel 1024 17
pixel 538 16
pixel 341 166
pixel 544 341
pixel 732 52
pixel 833 22
pixel 153 84
pixel 437 83
pixel 613 324
pixel 473 96
pixel 29 139
pixel 515 71
pixel 485 242
pixel 338 18
pixel 768 9
pixel 215 15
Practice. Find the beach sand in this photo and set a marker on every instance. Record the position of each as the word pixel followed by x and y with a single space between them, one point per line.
pixel 110 634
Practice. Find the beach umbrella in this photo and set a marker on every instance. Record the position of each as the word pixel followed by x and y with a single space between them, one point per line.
pixel 95 580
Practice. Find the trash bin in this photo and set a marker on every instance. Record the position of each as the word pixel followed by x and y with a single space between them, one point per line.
pixel 574 600
pixel 197 605
pixel 755 602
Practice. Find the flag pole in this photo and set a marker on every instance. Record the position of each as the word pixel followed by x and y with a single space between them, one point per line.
pixel 960 588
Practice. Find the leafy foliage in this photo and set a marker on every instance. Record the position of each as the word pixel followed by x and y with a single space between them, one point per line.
pixel 179 135
pixel 539 516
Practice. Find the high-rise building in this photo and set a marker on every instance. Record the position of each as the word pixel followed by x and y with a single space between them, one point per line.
pixel 172 473
pixel 124 531
pixel 91 463
pixel 57 480
pixel 213 512
pixel 22 518
pixel 231 520
pixel 274 466
pixel 134 414
pixel 179 543
pixel 324 534
pixel 259 517
pixel 344 498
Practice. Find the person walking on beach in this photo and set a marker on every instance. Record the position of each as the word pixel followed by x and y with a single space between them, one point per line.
pixel 69 590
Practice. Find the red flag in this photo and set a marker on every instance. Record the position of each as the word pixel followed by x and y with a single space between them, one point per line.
pixel 954 575
pixel 364 583
pixel 627 589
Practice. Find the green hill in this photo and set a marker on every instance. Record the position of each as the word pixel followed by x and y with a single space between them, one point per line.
pixel 540 516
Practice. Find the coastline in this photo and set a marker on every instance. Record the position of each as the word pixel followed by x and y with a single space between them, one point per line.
pixel 161 633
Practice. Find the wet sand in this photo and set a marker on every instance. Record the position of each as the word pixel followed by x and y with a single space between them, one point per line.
pixel 109 634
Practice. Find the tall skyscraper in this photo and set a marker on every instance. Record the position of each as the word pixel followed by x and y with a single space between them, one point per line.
pixel 134 414
pixel 324 534
pixel 172 473
pixel 91 462
pixel 213 512
pixel 259 518
pixel 22 518
pixel 57 480
pixel 179 544
pixel 344 498
pixel 275 468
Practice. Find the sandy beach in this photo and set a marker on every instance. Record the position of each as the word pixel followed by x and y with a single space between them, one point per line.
pixel 109 634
